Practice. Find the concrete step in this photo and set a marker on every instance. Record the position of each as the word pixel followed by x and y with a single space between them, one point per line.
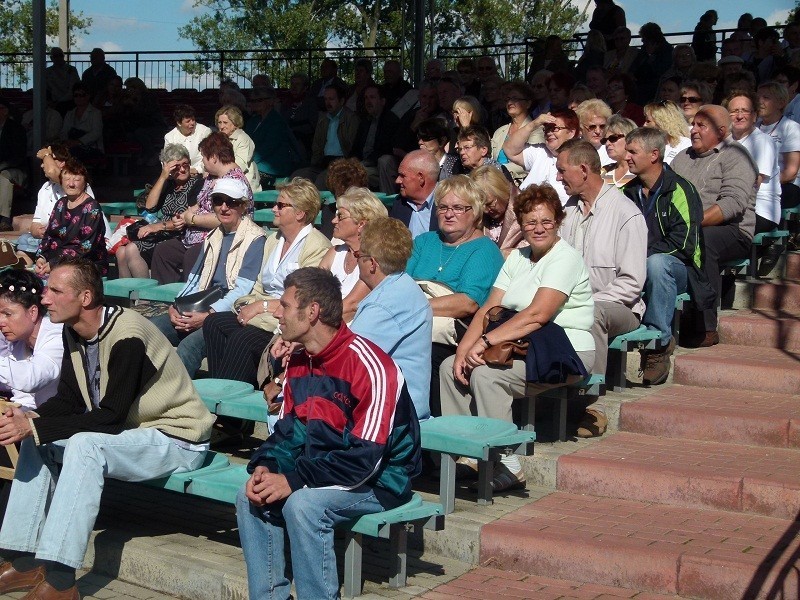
pixel 781 295
pixel 716 415
pixel 697 474
pixel 740 367
pixel 792 266
pixel 486 582
pixel 696 553
pixel 765 328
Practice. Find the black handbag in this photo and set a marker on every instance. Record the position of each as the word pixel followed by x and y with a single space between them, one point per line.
pixel 199 301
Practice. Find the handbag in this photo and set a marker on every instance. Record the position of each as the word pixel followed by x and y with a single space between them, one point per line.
pixel 199 301
pixel 446 330
pixel 8 256
pixel 504 353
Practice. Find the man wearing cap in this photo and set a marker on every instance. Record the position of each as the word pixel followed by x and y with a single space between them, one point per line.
pixel 724 175
pixel 13 145
pixel 59 79
pixel 276 151
pixel 731 64
pixel 241 243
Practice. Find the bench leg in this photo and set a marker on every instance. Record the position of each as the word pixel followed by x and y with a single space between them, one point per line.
pixel 528 413
pixel 617 366
pixel 561 417
pixel 447 483
pixel 398 556
pixel 485 476
pixel 352 565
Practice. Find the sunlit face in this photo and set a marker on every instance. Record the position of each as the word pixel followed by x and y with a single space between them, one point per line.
pixel 743 116
pixel 769 107
pixel 615 145
pixel 63 303
pixel 284 210
pixel 704 134
pixel 690 102
pixel 410 182
pixel 472 155
pixel 669 90
pixel 639 161
pixel 16 321
pixel 432 146
pixel 517 105
pixel 540 229
pixel 345 227
pixel 230 212
pixel 462 116
pixel 225 125
pixel 293 320
pixel 73 183
pixel 182 171
pixel 454 226
pixel 187 126
pixel 573 177
pixel 592 129
pixel 556 134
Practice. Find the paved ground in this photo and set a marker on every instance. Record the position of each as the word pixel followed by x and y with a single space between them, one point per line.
pixel 93 586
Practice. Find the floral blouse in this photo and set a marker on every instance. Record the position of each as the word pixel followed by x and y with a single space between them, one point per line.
pixel 78 231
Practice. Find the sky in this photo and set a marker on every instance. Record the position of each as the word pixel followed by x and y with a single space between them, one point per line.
pixel 153 24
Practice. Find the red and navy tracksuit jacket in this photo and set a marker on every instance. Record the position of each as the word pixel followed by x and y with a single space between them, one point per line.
pixel 347 420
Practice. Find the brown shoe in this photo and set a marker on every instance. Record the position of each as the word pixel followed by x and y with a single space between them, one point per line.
pixel 594 424
pixel 12 580
pixel 657 365
pixel 703 339
pixel 45 591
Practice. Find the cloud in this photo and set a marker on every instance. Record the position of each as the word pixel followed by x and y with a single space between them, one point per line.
pixel 110 47
pixel 109 23
pixel 188 6
pixel 778 16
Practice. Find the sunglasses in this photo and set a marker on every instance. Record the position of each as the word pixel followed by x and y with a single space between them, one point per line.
pixel 555 128
pixel 282 205
pixel 691 99
pixel 614 138
pixel 220 199
pixel 594 127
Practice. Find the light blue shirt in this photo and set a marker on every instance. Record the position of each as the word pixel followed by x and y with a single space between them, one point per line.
pixel 332 145
pixel 397 317
pixel 420 221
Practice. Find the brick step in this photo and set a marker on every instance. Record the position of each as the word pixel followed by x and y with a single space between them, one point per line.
pixel 781 295
pixel 739 367
pixel 716 415
pixel 697 474
pixel 486 582
pixel 764 328
pixel 696 553
pixel 792 268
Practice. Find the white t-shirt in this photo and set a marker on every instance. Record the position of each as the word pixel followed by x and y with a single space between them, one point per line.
pixel 764 152
pixel 786 134
pixel 541 167
pixel 671 152
pixel 191 143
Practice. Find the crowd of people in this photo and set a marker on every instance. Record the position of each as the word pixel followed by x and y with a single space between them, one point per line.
pixel 534 221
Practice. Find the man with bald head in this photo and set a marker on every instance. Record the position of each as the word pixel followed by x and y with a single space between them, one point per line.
pixel 725 175
pixel 417 176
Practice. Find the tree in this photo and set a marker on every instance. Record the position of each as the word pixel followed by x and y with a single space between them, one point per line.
pixel 16 32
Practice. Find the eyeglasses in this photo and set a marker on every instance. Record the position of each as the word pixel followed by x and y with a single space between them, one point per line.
pixel 690 99
pixel 341 216
pixel 457 209
pixel 359 255
pixel 281 205
pixel 490 203
pixel 183 166
pixel 467 147
pixel 515 99
pixel 220 199
pixel 545 223
pixel 594 127
pixel 741 111
pixel 555 128
pixel 613 138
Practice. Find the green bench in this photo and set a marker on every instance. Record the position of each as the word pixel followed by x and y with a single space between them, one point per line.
pixel 680 301
pixel 213 391
pixel 127 289
pixel 592 385
pixel 637 340
pixel 778 236
pixel 162 293
pixel 485 440
pixel 126 209
pixel 250 407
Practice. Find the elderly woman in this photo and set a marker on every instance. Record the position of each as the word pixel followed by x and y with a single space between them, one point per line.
pixel 173 259
pixel 667 117
pixel 455 265
pixel 231 260
pixel 616 172
pixel 236 339
pixel 547 284
pixel 499 222
pixel 434 136
pixel 594 115
pixel 467 112
pixel 619 92
pixel 694 94
pixel 540 159
pixel 76 226
pixel 519 99
pixel 354 209
pixel 174 191
pixel 30 345
pixel 230 122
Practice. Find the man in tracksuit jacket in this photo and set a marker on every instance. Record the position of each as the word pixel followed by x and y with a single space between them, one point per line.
pixel 346 444
pixel 673 212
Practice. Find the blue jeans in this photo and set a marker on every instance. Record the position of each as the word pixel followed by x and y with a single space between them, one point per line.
pixel 666 278
pixel 309 515
pixel 191 348
pixel 52 514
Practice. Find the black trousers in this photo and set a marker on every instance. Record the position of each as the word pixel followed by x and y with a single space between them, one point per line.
pixel 233 351
pixel 722 243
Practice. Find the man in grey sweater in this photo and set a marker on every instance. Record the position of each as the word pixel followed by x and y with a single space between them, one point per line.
pixel 724 174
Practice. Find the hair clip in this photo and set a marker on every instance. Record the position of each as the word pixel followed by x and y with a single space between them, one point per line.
pixel 11 288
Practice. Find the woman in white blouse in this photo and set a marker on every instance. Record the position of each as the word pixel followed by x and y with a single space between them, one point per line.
pixel 30 345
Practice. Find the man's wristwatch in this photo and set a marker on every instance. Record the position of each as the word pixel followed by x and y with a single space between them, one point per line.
pixel 266 306
pixel 486 340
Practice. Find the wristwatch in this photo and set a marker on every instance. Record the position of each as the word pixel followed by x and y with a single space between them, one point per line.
pixel 266 306
pixel 278 381
pixel 486 340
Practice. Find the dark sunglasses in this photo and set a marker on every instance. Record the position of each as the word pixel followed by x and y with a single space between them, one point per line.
pixel 692 99
pixel 282 205
pixel 614 138
pixel 220 199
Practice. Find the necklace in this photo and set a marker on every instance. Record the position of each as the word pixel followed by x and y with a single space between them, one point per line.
pixel 460 241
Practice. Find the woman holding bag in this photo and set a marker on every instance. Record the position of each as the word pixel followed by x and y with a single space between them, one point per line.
pixel 547 284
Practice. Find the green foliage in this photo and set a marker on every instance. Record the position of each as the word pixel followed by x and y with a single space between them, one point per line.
pixel 16 31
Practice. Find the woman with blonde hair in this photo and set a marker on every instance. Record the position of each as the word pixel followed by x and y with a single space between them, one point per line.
pixel 614 142
pixel 354 210
pixel 230 122
pixel 467 112
pixel 667 117
pixel 499 221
